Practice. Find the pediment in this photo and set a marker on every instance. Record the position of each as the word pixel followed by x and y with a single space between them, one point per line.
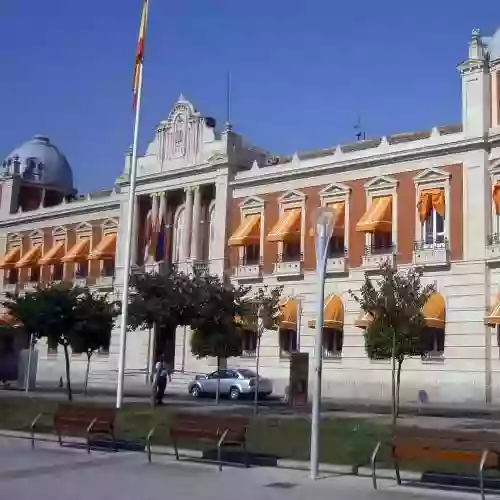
pixel 252 202
pixel 14 238
pixel 292 196
pixel 381 182
pixel 36 235
pixel 495 166
pixel 83 227
pixel 60 231
pixel 110 224
pixel 432 175
pixel 335 189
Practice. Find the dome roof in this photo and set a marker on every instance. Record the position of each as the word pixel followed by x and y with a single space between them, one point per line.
pixel 493 44
pixel 39 161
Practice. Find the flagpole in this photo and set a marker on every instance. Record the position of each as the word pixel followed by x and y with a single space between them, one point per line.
pixel 128 246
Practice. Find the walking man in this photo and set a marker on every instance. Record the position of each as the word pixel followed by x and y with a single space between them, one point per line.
pixel 161 378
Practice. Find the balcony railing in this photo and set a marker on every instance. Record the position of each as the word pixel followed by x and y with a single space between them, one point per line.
pixel 249 353
pixel 336 261
pixel 248 269
pixel 431 253
pixel 201 268
pixel 286 265
pixel 331 354
pixel 377 255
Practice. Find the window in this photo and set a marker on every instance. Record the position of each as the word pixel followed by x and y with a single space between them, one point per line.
pixel 251 255
pixel 432 343
pixel 291 252
pixel 332 342
pixel 433 229
pixel 336 246
pixel 34 274
pixel 82 269
pixel 108 268
pixel 57 272
pixel 249 343
pixel 288 342
pixel 381 242
pixel 12 276
pixel 211 232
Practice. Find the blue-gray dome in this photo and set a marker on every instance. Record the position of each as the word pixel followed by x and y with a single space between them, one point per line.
pixel 39 161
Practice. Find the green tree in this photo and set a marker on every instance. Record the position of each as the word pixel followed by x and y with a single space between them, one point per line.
pixel 50 313
pixel 95 318
pixel 395 302
pixel 216 332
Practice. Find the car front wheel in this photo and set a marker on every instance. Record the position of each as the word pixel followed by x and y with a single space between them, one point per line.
pixel 234 393
pixel 195 391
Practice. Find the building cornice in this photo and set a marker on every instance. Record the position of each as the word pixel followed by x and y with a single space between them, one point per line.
pixel 356 162
pixel 60 211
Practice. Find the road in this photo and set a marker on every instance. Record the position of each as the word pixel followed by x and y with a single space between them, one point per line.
pixel 54 473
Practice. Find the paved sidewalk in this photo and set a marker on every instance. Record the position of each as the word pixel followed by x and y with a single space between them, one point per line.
pixel 52 473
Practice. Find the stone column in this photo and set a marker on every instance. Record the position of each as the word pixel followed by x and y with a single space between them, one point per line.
pixel 220 223
pixel 196 236
pixel 188 220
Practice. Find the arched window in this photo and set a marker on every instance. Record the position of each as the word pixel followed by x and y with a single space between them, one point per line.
pixel 179 225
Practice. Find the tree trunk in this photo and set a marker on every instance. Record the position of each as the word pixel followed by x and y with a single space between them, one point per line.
pixel 87 371
pixel 68 375
pixel 398 385
pixel 257 363
pixel 217 392
pixel 393 379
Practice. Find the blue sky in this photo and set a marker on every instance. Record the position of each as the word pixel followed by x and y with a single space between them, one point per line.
pixel 302 70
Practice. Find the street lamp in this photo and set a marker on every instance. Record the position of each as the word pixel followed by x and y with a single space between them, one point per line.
pixel 324 222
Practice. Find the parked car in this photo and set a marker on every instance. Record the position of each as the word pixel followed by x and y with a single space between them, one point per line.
pixel 234 383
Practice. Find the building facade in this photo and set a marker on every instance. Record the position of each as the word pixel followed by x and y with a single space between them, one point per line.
pixel 429 198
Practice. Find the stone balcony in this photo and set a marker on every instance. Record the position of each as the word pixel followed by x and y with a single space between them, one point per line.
pixel 431 254
pixel 493 248
pixel 337 263
pixel 10 287
pixel 374 257
pixel 105 281
pixel 247 270
pixel 286 267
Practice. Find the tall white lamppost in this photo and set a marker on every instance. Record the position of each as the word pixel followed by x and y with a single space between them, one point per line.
pixel 323 220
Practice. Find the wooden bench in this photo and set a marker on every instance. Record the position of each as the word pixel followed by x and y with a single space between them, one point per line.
pixel 222 430
pixel 81 421
pixel 413 443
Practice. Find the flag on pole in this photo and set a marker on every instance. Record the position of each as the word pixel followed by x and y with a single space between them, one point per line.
pixel 139 56
pixel 160 238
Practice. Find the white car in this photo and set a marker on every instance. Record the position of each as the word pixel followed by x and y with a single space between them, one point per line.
pixel 233 384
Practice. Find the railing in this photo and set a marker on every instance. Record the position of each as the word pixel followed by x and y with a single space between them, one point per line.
pixel 493 239
pixel 431 245
pixel 336 253
pixel 374 249
pixel 249 353
pixel 281 257
pixel 328 353
pixel 201 268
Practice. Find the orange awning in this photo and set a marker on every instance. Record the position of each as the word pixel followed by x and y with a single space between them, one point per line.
pixel 288 227
pixel 364 320
pixel 493 318
pixel 54 255
pixel 434 311
pixel 10 258
pixel 78 252
pixel 248 232
pixel 288 315
pixel 106 249
pixel 30 258
pixel 333 315
pixel 496 197
pixel 378 217
pixel 430 199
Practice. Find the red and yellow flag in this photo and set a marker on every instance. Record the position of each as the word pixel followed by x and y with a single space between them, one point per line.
pixel 139 56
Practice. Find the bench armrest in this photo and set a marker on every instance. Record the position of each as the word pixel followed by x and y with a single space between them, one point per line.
pixel 148 441
pixel 32 429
